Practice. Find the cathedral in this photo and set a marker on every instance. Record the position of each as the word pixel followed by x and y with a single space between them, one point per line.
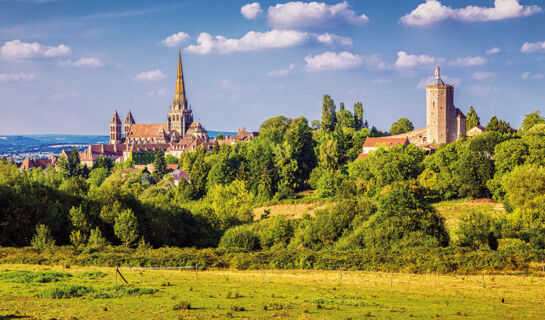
pixel 179 124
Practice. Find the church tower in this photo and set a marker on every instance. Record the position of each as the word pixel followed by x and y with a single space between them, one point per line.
pixel 441 114
pixel 115 129
pixel 129 121
pixel 180 116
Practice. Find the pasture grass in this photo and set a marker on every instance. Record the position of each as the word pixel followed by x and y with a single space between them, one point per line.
pixel 294 294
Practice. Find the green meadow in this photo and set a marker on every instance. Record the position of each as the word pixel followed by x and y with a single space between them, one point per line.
pixel 47 292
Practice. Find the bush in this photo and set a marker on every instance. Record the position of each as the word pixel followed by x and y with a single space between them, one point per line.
pixel 126 227
pixel 42 239
pixel 23 276
pixel 65 292
pixel 476 230
pixel 241 237
pixel 182 305
pixel 96 239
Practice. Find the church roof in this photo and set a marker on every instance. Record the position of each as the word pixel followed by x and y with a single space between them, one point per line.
pixel 180 97
pixel 115 118
pixel 129 118
pixel 146 130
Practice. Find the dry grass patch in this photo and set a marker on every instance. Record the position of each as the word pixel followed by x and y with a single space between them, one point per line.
pixel 291 210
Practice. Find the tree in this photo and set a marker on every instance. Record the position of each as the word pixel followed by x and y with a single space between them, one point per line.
pixel 531 120
pixel 199 173
pixel 315 124
pixel 103 162
pixel 71 165
pixel 329 117
pixel 328 158
pixel 358 115
pixel 274 129
pixel 42 239
pixel 160 166
pixel 525 187
pixel 472 119
pixel 401 126
pixel 297 159
pixel 345 119
pixel 126 227
pixel 499 126
pixel 220 136
pixel 97 176
pixel 231 203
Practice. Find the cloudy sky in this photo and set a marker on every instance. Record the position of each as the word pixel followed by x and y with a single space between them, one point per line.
pixel 66 65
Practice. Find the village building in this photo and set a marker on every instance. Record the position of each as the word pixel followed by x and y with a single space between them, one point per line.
pixel 30 163
pixel 444 122
pixel 475 131
pixel 241 136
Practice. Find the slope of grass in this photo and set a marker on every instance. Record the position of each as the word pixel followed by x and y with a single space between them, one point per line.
pixel 280 294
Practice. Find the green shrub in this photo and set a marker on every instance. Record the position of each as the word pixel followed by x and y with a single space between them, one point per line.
pixel 476 230
pixel 65 292
pixel 241 237
pixel 23 276
pixel 42 239
pixel 182 305
pixel 91 275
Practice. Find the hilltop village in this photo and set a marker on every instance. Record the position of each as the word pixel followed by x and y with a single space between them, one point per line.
pixel 179 134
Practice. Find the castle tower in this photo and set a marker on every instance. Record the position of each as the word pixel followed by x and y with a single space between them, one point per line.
pixel 129 121
pixel 441 122
pixel 115 129
pixel 180 115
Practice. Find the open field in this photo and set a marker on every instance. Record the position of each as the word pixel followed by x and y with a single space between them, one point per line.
pixel 273 294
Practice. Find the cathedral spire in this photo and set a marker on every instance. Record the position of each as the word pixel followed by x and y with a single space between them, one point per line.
pixel 180 100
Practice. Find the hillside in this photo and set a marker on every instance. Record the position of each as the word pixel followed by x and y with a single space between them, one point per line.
pixel 450 210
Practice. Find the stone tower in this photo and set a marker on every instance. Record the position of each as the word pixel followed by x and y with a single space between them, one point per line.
pixel 115 129
pixel 129 121
pixel 180 116
pixel 443 121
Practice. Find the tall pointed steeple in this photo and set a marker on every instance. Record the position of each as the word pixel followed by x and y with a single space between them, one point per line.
pixel 180 99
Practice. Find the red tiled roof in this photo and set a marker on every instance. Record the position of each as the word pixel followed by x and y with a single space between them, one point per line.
pixel 372 142
pixel 37 163
pixel 172 167
pixel 362 156
pixel 146 130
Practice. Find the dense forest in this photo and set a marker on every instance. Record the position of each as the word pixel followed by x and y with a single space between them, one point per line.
pixel 383 201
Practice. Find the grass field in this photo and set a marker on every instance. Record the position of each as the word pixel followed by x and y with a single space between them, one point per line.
pixel 165 294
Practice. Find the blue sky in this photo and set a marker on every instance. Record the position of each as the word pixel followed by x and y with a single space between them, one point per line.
pixel 66 65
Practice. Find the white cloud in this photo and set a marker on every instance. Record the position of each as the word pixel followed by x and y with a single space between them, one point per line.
pixel 152 75
pixel 333 61
pixel 300 15
pixel 91 62
pixel 282 72
pixel 494 50
pixel 229 85
pixel 330 39
pixel 433 11
pixel 405 60
pixel 175 40
pixel 482 91
pixel 374 62
pixel 158 92
pixel 482 75
pixel 446 79
pixel 469 61
pixel 538 46
pixel 251 10
pixel 4 77
pixel 20 50
pixel 251 41
pixel 532 76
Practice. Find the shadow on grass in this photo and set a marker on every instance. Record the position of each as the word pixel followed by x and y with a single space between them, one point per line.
pixel 14 316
